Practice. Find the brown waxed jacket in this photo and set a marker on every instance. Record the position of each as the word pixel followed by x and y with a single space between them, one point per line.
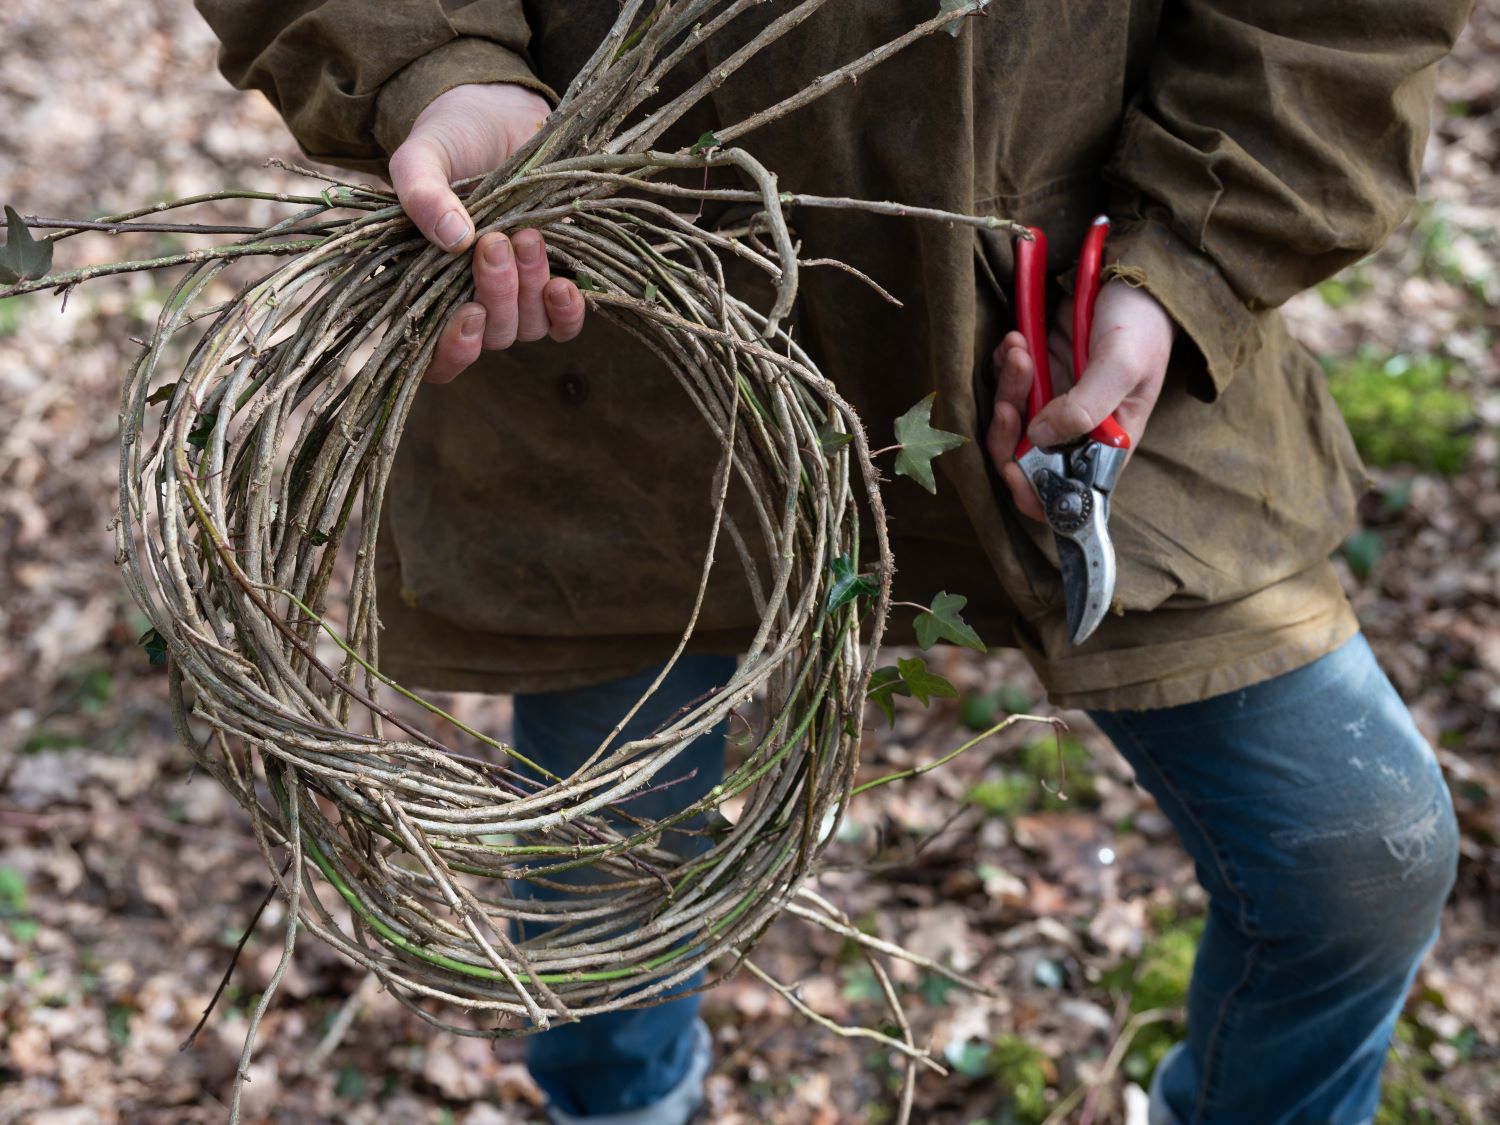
pixel 547 519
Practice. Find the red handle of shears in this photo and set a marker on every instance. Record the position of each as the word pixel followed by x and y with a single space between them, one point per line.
pixel 1031 321
pixel 1031 317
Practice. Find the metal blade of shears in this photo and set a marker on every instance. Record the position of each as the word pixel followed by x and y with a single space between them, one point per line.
pixel 1087 563
pixel 1078 513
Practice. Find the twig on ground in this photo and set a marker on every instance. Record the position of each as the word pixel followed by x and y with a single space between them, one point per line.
pixel 1112 1062
pixel 342 1021
pixel 234 959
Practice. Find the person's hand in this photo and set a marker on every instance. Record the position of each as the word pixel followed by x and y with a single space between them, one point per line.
pixel 465 132
pixel 1129 347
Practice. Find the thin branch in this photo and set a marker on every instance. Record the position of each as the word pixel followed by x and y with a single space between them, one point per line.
pixel 850 72
pixel 860 274
pixel 1058 727
pixel 921 1058
pixel 150 228
pixel 234 959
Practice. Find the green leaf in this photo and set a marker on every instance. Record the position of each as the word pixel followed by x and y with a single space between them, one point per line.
pixel 12 892
pixel 942 623
pixel 24 930
pixel 22 258
pixel 831 440
pixel 885 685
pixel 909 677
pixel 979 710
pixel 117 1020
pixel 1362 551
pixel 704 144
pixel 962 7
pixel 923 685
pixel 317 537
pixel 847 585
pixel 920 443
pixel 651 291
pixel 161 394
pixel 155 646
pixel 935 989
pixel 971 1058
pixel 351 1084
pixel 861 985
pixel 1395 499
pixel 198 436
pixel 585 282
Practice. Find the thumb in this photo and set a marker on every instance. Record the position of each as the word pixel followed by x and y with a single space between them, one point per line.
pixel 1093 399
pixel 1129 349
pixel 420 172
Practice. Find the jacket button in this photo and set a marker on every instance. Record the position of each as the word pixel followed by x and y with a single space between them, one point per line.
pixel 573 388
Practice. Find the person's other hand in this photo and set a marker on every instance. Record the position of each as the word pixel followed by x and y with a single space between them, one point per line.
pixel 465 132
pixel 1129 347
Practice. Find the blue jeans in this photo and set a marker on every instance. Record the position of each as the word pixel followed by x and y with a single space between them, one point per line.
pixel 630 1059
pixel 1321 829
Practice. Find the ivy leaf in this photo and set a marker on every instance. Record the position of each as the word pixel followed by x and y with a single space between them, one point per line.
pixel 885 685
pixel 920 443
pixel 961 8
pixel 942 623
pixel 831 440
pixel 198 436
pixel 155 646
pixel 22 258
pixel 161 394
pixel 847 585
pixel 923 685
pixel 704 144
pixel 910 678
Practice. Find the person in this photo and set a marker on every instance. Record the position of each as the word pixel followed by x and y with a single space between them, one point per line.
pixel 545 523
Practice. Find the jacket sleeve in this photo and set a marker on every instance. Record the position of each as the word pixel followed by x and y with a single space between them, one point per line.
pixel 351 76
pixel 1272 143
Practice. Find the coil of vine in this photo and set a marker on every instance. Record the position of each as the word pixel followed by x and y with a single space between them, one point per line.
pixel 252 474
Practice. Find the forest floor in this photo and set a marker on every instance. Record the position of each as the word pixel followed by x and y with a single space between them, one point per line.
pixel 125 882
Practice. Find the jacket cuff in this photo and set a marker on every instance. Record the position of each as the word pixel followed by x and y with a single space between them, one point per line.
pixel 456 63
pixel 1219 333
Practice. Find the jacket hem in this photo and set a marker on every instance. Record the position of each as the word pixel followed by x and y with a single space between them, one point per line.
pixel 1196 669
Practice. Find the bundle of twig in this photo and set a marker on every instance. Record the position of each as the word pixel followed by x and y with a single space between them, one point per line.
pixel 247 520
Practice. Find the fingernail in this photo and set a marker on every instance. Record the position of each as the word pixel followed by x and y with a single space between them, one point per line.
pixel 497 253
pixel 562 297
pixel 472 325
pixel 452 228
pixel 530 251
pixel 1042 434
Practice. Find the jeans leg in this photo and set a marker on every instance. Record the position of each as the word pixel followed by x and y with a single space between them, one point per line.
pixel 621 1061
pixel 1323 832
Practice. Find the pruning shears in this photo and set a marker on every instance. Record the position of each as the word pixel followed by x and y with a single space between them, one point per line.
pixel 1073 481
